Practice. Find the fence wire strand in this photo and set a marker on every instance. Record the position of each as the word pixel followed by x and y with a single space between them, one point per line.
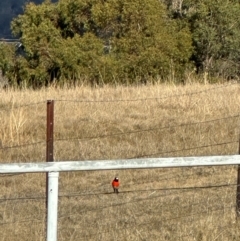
pixel 158 192
pixel 21 106
pixel 145 99
pixel 145 130
pixel 69 195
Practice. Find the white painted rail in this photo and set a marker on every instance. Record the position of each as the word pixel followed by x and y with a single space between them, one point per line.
pixel 53 169
pixel 52 211
pixel 145 163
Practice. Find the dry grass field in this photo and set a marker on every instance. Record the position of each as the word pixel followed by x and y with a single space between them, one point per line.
pixel 196 204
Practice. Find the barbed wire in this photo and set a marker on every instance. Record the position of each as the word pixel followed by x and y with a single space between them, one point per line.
pixel 174 151
pixel 183 216
pixel 23 221
pixel 122 133
pixel 144 130
pixel 183 190
pixel 91 120
pixel 151 190
pixel 139 156
pixel 145 99
pixel 69 195
pixel 166 224
pixel 176 175
pixel 120 100
pixel 21 106
pixel 93 192
pixel 162 222
pixel 23 145
pixel 36 198
pixel 185 149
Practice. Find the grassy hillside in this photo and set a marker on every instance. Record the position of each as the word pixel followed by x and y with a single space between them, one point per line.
pixel 123 122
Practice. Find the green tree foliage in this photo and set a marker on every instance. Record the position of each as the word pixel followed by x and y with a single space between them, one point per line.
pixel 216 34
pixel 49 53
pixel 7 53
pixel 7 60
pixel 99 41
pixel 215 27
pixel 123 41
pixel 143 40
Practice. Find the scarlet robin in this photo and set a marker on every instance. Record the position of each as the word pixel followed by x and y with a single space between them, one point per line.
pixel 115 184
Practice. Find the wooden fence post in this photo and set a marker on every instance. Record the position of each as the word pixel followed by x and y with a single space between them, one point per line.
pixel 49 148
pixel 50 124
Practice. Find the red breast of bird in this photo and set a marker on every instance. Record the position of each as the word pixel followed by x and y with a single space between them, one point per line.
pixel 115 183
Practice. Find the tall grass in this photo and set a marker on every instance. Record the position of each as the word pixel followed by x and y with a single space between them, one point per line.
pixel 123 122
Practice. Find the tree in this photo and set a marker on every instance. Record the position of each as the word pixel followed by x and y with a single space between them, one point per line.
pixel 52 52
pixel 143 39
pixel 101 41
pixel 216 32
pixel 215 28
pixel 7 60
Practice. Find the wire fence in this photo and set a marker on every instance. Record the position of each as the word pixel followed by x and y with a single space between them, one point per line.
pixel 163 221
pixel 127 133
pixel 14 106
pixel 82 193
pixel 150 98
pixel 178 202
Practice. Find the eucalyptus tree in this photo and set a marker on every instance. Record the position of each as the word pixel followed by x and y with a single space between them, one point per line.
pixel 7 60
pixel 100 41
pixel 215 28
pixel 51 54
pixel 216 34
pixel 143 40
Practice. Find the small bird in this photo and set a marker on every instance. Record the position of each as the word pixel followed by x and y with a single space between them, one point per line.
pixel 115 184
